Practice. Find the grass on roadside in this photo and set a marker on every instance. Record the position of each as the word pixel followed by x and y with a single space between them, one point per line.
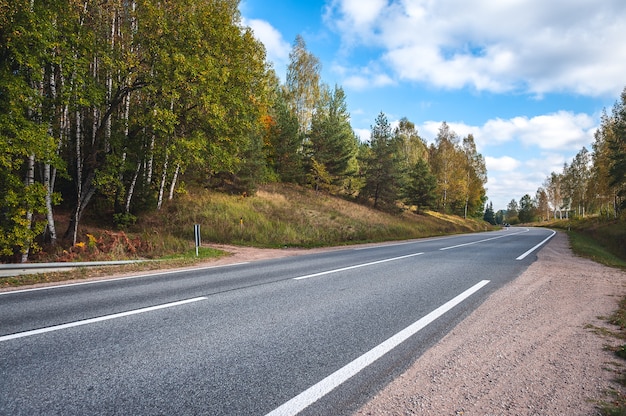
pixel 288 216
pixel 586 246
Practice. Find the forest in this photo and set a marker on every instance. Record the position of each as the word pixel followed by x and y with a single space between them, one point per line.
pixel 124 104
pixel 593 183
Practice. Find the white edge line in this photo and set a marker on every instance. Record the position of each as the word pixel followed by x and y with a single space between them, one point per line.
pixel 325 386
pixel 523 256
pixel 98 319
pixel 355 266
pixel 414 241
pixel 385 245
pixel 90 282
pixel 482 241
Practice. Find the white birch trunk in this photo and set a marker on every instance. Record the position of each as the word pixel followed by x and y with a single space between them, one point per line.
pixel 131 188
pixel 163 178
pixel 79 177
pixel 150 161
pixel 109 86
pixel 29 181
pixel 48 175
pixel 49 213
pixel 173 185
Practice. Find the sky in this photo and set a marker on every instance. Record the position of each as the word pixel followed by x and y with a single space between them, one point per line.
pixel 529 79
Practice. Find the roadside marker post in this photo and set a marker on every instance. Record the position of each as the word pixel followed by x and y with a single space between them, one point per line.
pixel 196 233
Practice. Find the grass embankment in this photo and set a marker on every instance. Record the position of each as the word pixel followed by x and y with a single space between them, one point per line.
pixel 286 216
pixel 604 242
pixel 276 216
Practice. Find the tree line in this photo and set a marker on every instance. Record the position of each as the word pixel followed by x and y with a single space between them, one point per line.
pixel 593 183
pixel 118 104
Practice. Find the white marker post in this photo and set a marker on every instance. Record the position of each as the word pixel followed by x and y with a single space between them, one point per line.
pixel 196 233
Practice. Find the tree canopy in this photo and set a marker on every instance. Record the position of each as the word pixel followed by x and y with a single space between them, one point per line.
pixel 114 106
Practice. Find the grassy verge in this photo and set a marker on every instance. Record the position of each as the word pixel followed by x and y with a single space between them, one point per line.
pixel 617 405
pixel 586 246
pixel 288 216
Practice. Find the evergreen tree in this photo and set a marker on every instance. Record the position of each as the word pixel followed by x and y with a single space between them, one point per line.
pixel 512 212
pixel 489 214
pixel 381 166
pixel 527 209
pixel 605 194
pixel 419 188
pixel 332 143
pixel 284 142
pixel 500 216
pixel 617 148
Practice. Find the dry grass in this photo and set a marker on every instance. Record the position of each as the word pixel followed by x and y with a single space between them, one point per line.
pixel 283 215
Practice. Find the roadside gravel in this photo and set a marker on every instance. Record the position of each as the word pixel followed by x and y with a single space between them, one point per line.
pixel 528 350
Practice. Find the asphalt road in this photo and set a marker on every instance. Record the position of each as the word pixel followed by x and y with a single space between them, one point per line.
pixel 313 334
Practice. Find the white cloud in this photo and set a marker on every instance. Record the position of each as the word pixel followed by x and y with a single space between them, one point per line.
pixel 563 130
pixel 542 167
pixel 277 48
pixel 362 12
pixel 501 164
pixel 363 134
pixel 532 46
pixel 514 185
pixel 363 81
pixel 525 178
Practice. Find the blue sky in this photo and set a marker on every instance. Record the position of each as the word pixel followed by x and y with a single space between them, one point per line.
pixel 528 78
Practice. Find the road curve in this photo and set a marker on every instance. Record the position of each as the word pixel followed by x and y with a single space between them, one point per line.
pixel 313 334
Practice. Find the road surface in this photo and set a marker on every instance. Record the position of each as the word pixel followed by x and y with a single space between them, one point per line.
pixel 312 334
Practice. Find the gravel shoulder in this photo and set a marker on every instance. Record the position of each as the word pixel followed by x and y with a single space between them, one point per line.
pixel 528 350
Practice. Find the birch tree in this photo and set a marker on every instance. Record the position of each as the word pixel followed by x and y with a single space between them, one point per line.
pixel 446 166
pixel 475 178
pixel 303 83
pixel 26 39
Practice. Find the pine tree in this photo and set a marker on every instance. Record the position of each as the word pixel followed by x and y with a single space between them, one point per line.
pixel 332 142
pixel 489 214
pixel 527 209
pixel 617 148
pixel 382 175
pixel 419 188
pixel 284 142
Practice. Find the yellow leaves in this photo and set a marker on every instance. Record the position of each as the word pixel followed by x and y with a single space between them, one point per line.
pixel 268 122
pixel 92 241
